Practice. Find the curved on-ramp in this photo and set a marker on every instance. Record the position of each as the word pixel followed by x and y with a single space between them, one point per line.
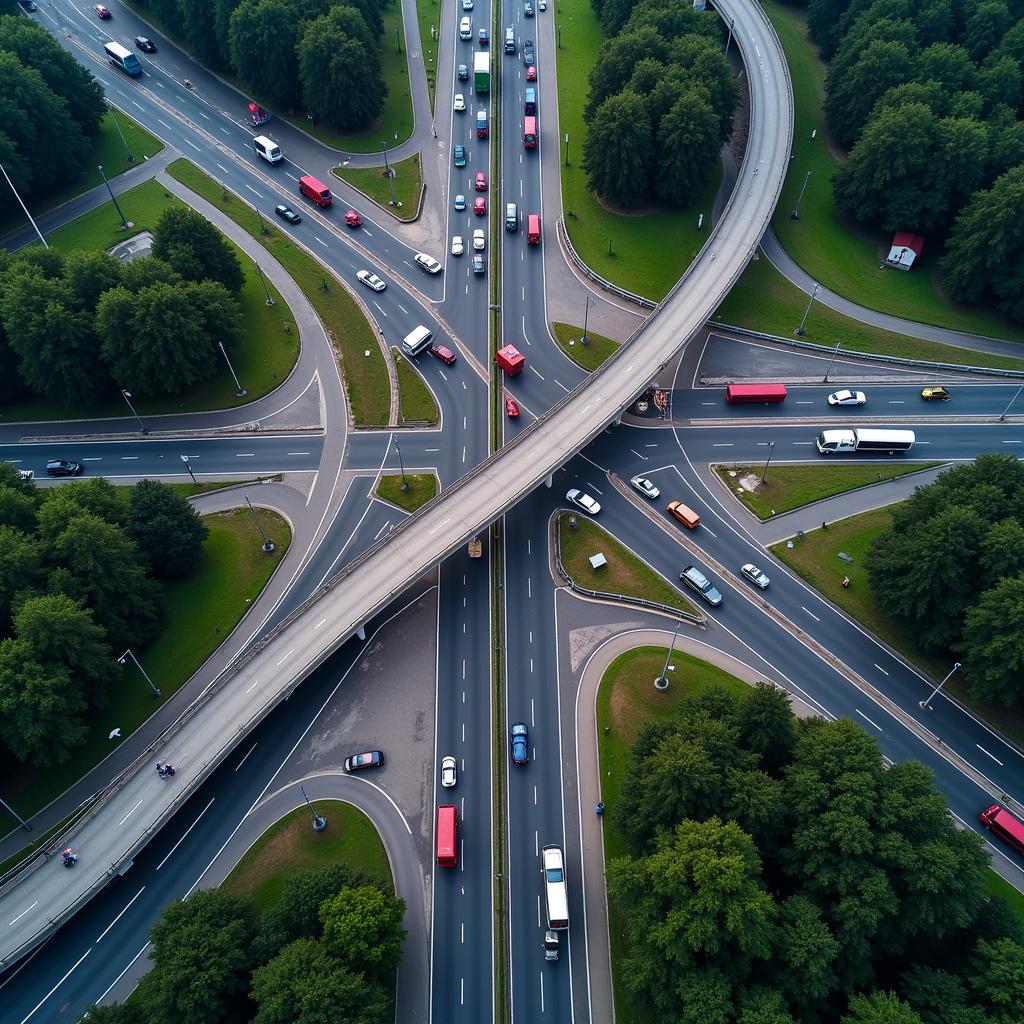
pixel 35 902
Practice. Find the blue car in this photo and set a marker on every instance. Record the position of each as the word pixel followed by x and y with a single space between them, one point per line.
pixel 460 202
pixel 519 734
pixel 459 156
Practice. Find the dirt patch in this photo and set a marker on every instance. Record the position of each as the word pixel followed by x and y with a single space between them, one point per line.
pixel 278 852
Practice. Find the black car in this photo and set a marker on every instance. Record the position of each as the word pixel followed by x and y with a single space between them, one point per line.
pixel 145 45
pixel 63 467
pixel 288 214
pixel 463 73
pixel 27 5
pixel 357 762
pixel 528 52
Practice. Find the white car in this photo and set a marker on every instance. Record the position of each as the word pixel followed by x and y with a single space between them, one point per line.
pixel 466 28
pixel 458 246
pixel 542 5
pixel 467 5
pixel 428 263
pixel 371 280
pixel 459 103
pixel 479 239
pixel 448 775
pixel 644 486
pixel 752 573
pixel 582 500
pixel 847 398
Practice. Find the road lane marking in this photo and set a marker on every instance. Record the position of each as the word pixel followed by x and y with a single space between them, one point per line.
pixel 638 455
pixel 286 657
pixel 254 192
pixel 55 987
pixel 119 916
pixel 320 623
pixel 240 763
pixel 866 719
pixel 560 384
pixel 129 814
pixel 244 455
pixel 537 372
pixel 24 912
pixel 993 756
pixel 185 834
pixel 812 615
pixel 320 240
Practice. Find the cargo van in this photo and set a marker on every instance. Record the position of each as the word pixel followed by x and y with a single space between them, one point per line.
pixel 530 101
pixel 416 340
pixel 481 124
pixel 267 148
pixel 316 190
pixel 684 514
pixel 533 229
pixel 511 217
pixel 466 28
pixel 510 40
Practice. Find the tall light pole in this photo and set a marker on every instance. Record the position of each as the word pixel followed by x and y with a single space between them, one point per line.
pixel 566 149
pixel 1002 415
pixel 130 654
pixel 925 704
pixel 263 281
pixel 384 150
pixel 268 544
pixel 124 141
pixel 661 683
pixel 127 396
pixel 828 369
pixel 188 466
pixel 401 465
pixel 586 313
pixel 124 223
pixel 800 330
pixel 771 450
pixel 239 390
pixel 319 821
pixel 24 208
pixel 795 212
pixel 7 807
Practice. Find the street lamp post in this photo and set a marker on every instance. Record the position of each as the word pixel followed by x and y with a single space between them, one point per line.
pixel 188 466
pixel 24 208
pixel 795 212
pixel 661 683
pixel 828 368
pixel 800 330
pixel 566 149
pixel 124 141
pixel 124 223
pixel 239 390
pixel 1002 415
pixel 268 544
pixel 7 807
pixel 263 281
pixel 130 654
pixel 319 821
pixel 127 396
pixel 771 450
pixel 925 704
pixel 384 150
pixel 586 313
pixel 401 465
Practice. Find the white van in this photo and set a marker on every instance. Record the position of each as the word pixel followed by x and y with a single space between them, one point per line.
pixel 466 28
pixel 267 148
pixel 416 340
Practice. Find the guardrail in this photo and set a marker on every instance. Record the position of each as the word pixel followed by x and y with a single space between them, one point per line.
pixel 607 285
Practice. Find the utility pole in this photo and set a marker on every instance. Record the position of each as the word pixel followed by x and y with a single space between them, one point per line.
pixel 239 390
pixel 25 209
pixel 188 466
pixel 401 465
pixel 771 449
pixel 127 396
pixel 661 683
pixel 586 313
pixel 795 213
pixel 124 141
pixel 130 654
pixel 831 361
pixel 124 223
pixel 925 704
pixel 1002 415
pixel 263 281
pixel 268 544
pixel 319 821
pixel 24 824
pixel 800 330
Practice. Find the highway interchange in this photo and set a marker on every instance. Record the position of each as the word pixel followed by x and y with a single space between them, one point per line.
pixel 204 123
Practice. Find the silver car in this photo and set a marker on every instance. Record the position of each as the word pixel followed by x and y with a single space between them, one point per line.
pixel 583 501
pixel 371 280
pixel 644 486
pixel 428 263
pixel 754 575
pixel 693 578
pixel 847 398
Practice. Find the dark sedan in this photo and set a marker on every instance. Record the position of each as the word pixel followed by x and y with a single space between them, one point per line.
pixel 63 467
pixel 145 45
pixel 288 214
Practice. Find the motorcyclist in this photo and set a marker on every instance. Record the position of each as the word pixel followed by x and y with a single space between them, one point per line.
pixel 69 857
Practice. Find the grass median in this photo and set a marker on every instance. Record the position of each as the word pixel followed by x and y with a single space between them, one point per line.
pixel 428 16
pixel 416 402
pixel 625 572
pixel 790 487
pixel 373 183
pixel 422 487
pixel 201 612
pixel 590 356
pixel 843 256
pixel 366 375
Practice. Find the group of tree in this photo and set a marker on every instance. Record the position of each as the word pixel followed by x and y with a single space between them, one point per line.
pixel 950 571
pixel 81 579
pixel 45 94
pixel 318 55
pixel 781 872
pixel 661 102
pixel 927 97
pixel 73 327
pixel 325 953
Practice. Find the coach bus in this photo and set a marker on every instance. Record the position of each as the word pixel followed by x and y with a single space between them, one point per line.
pixel 1001 822
pixel 447 835
pixel 555 899
pixel 123 58
pixel 767 393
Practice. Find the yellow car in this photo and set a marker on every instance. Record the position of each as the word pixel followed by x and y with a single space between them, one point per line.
pixel 940 393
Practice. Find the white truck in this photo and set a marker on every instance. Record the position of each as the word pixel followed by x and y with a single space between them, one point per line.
pixel 829 442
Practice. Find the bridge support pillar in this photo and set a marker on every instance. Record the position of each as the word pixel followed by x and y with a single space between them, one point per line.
pixel 361 632
pixel 549 480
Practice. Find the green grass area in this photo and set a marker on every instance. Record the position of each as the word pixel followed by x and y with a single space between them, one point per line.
pixel 590 356
pixel 422 487
pixel 366 376
pixel 617 247
pixel 625 573
pixel 428 15
pixel 108 152
pixel 763 300
pixel 842 256
pixel 290 846
pixel 416 402
pixel 792 486
pixel 626 700
pixel 372 182
pixel 201 612
pixel 996 885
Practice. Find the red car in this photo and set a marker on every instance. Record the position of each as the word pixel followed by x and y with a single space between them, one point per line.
pixel 480 206
pixel 511 408
pixel 531 73
pixel 446 355
pixel 101 12
pixel 352 219
pixel 480 184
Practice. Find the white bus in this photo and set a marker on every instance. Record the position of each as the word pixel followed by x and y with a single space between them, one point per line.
pixel 123 58
pixel 555 899
pixel 828 442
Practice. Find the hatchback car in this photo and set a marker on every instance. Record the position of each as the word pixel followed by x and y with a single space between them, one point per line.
pixel 527 10
pixel 442 352
pixel 352 219
pixel 448 773
pixel 542 5
pixel 480 182
pixel 288 214
pixel 428 263
pixel 459 103
pixel 463 73
pixel 583 500
pixel 458 246
pixel 63 467
pixel 752 573
pixel 519 737
pixel 479 239
pixel 357 762
pixel 460 202
pixel 936 392
pixel 479 264
pixel 531 74
pixel 644 486
pixel 528 52
pixel 484 37
pixel 467 5
pixel 145 45
pixel 480 206
pixel 693 578
pixel 511 408
pixel 847 398
pixel 372 281
pixel 459 156
pixel 101 12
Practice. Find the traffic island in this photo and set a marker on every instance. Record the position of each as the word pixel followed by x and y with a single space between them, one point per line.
pixel 396 189
pixel 409 491
pixel 586 349
pixel 416 403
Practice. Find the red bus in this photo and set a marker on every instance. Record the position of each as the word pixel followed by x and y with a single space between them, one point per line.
pixel 737 393
pixel 530 132
pixel 447 835
pixel 1000 821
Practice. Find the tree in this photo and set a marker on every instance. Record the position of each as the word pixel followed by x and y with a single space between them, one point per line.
pixel 992 642
pixel 40 707
pixel 262 40
pixel 202 957
pixel 1002 552
pixel 987 24
pixel 304 984
pixel 615 63
pixel 880 1008
pixel 933 993
pixel 190 244
pixel 17 509
pixel 765 721
pixel 671 20
pixel 222 11
pixel 87 275
pixel 688 149
pixel 113 1013
pixel 20 566
pixel 363 928
pixel 947 64
pixel 167 529
pixel 163 339
pixel 985 250
pixel 881 66
pixel 930 93
pixel 618 150
pixel 62 504
pixel 704 62
pixel 204 44
pixel 765 1006
pixel 1000 82
pixel 997 978
pixel 824 19
pixel 145 272
pixel 804 958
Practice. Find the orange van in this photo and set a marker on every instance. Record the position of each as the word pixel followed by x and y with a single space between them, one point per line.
pixel 533 229
pixel 315 190
pixel 684 514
